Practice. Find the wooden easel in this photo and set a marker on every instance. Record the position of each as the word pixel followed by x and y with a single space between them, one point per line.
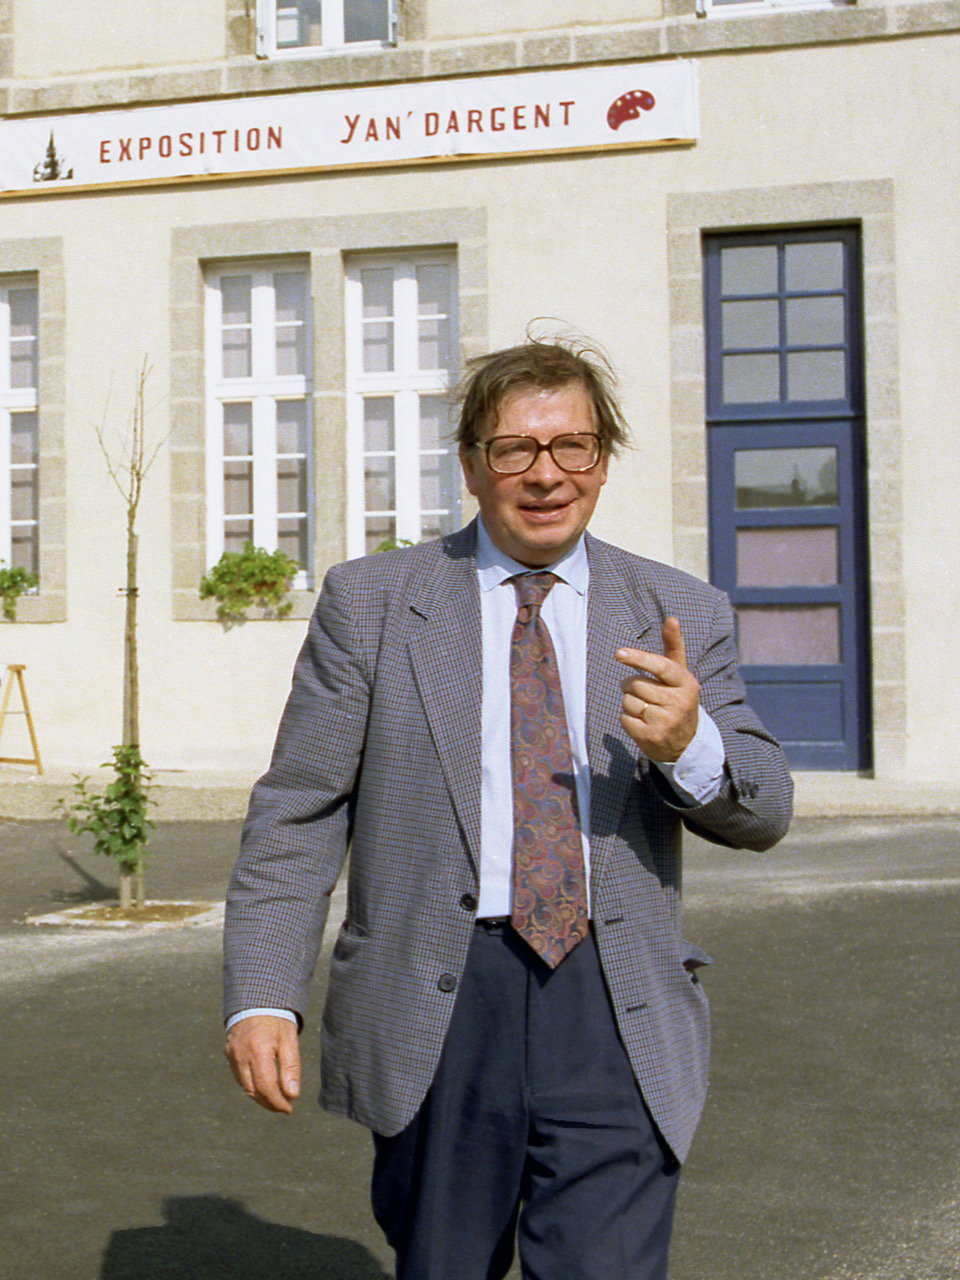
pixel 16 670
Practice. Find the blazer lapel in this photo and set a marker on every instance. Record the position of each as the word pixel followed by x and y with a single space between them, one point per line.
pixel 616 619
pixel 445 652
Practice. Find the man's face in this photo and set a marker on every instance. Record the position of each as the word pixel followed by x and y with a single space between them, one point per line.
pixel 538 516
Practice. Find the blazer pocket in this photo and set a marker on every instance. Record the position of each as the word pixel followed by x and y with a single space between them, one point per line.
pixel 350 941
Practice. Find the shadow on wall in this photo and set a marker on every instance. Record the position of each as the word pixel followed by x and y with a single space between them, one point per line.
pixel 210 1238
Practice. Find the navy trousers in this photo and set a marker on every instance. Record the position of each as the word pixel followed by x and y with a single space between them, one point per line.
pixel 534 1129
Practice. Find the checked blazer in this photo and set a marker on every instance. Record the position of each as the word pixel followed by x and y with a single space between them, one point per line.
pixel 378 752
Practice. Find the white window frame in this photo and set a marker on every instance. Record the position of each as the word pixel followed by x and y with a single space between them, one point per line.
pixel 263 389
pixel 333 31
pixel 14 400
pixel 733 8
pixel 405 384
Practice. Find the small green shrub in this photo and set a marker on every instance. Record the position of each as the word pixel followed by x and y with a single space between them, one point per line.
pixel 117 819
pixel 14 581
pixel 241 579
pixel 391 544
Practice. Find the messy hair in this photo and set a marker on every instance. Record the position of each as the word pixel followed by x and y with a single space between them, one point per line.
pixel 545 365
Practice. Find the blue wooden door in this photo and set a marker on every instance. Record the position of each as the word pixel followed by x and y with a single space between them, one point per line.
pixel 786 479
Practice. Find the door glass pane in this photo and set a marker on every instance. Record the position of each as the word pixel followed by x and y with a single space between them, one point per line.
pixel 785 478
pixel 298 23
pixel 813 264
pixel 436 428
pixel 751 324
pixel 783 557
pixel 236 533
pixel 789 635
pixel 814 322
pixel 237 488
pixel 378 530
pixel 291 486
pixel 816 375
pixel 751 379
pixel 748 269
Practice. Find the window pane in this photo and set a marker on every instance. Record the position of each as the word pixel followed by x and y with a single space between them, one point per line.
pixel 290 293
pixel 749 269
pixel 815 264
pixel 436 425
pixel 789 635
pixel 377 286
pixel 236 533
pixel 378 529
pixel 816 375
pixel 783 557
pixel 238 488
pixel 751 379
pixel 291 486
pixel 235 293
pixel 750 324
pixel 433 301
pixel 25 548
pixel 23 495
pixel 378 435
pixel 431 495
pixel 298 23
pixel 785 478
pixel 365 20
pixel 814 322
pixel 377 289
pixel 238 430
pixel 379 487
pixel 291 427
pixel 292 539
pixel 23 337
pixel 24 439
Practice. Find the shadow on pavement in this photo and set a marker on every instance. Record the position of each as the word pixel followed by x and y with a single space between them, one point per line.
pixel 212 1238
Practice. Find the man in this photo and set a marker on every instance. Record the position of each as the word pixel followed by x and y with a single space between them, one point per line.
pixel 510 756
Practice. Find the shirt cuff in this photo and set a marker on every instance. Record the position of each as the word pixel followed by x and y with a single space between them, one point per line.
pixel 698 775
pixel 287 1014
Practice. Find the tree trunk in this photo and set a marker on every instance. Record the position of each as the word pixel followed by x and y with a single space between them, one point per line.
pixel 131 664
pixel 126 889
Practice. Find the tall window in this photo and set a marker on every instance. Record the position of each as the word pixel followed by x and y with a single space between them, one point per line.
pixel 19 439
pixel 284 25
pixel 403 475
pixel 258 375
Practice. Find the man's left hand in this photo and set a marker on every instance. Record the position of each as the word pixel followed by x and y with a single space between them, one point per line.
pixel 661 702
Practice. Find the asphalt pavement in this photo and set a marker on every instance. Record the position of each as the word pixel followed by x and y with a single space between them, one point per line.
pixel 829 1150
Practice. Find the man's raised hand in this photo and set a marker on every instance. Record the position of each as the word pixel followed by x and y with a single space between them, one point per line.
pixel 661 700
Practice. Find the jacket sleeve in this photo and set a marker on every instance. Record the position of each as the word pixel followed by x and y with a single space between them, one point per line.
pixel 755 802
pixel 298 824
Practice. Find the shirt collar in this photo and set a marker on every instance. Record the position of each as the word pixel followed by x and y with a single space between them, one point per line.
pixel 495 566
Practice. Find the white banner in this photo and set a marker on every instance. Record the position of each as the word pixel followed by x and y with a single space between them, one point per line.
pixel 639 105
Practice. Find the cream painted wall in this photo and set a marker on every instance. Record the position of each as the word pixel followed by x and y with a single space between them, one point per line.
pixel 581 239
pixel 99 35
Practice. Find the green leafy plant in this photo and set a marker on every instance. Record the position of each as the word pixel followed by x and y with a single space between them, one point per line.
pixel 391 544
pixel 14 581
pixel 241 579
pixel 117 819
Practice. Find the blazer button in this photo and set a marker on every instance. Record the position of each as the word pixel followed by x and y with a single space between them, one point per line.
pixel 468 902
pixel 447 982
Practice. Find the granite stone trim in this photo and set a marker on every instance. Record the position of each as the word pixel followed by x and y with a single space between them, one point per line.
pixel 869 204
pixel 324 243
pixel 44 259
pixel 679 32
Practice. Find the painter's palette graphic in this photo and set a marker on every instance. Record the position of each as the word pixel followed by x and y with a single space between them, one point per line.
pixel 628 107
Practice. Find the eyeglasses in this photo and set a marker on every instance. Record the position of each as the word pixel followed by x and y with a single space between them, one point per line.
pixel 512 455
